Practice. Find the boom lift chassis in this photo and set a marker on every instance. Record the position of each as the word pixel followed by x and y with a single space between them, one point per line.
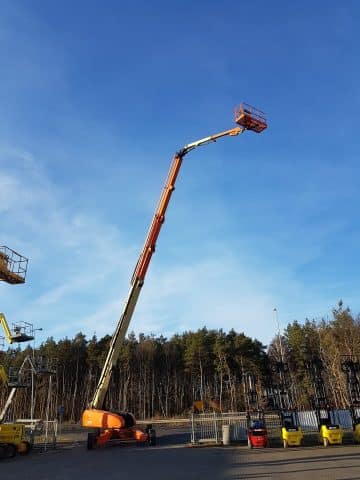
pixel 121 426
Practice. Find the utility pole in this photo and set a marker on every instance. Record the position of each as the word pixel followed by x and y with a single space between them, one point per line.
pixel 32 405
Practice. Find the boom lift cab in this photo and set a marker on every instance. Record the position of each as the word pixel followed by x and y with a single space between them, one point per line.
pixel 110 425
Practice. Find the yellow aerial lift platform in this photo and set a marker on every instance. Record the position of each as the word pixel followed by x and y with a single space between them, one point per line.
pixel 21 332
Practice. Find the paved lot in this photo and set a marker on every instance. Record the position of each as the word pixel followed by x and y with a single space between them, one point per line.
pixel 170 460
pixel 160 463
pixel 310 463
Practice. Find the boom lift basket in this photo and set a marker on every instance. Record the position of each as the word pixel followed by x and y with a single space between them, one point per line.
pixel 250 118
pixel 22 332
pixel 45 366
pixel 17 379
pixel 13 266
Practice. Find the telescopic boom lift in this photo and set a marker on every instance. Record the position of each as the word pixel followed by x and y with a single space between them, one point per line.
pixel 112 425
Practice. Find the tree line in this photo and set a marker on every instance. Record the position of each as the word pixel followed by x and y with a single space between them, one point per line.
pixel 160 377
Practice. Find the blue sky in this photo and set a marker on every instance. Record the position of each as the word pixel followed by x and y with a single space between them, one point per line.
pixel 95 98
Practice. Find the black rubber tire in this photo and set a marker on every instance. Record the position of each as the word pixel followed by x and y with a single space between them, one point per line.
pixel 152 437
pixel 27 448
pixel 2 451
pixel 10 450
pixel 91 441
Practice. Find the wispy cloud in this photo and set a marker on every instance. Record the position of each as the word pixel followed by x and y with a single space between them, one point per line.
pixel 70 252
pixel 80 267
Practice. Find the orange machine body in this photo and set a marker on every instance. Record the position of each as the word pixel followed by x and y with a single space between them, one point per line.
pixel 119 426
pixel 94 418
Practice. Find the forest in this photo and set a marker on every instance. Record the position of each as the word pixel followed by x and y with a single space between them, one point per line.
pixel 159 377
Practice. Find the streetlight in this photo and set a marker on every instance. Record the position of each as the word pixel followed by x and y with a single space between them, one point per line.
pixel 32 374
pixel 279 335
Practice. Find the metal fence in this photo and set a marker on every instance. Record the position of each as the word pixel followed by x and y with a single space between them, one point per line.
pixel 308 420
pixel 42 434
pixel 207 427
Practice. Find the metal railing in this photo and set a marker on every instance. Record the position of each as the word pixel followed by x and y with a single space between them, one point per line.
pixel 42 434
pixel 207 427
pixel 12 264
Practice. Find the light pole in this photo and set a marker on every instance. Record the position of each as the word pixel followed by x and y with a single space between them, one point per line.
pixel 279 335
pixel 32 375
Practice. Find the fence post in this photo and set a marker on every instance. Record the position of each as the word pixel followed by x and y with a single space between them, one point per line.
pixel 192 429
pixel 216 430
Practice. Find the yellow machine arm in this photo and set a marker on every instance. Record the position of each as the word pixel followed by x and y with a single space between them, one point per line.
pixel 3 375
pixel 6 328
pixel 143 264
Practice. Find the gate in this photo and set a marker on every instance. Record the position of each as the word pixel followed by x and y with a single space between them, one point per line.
pixel 207 427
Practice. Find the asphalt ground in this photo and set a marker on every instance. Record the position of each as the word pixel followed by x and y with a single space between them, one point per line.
pixel 310 463
pixel 172 460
